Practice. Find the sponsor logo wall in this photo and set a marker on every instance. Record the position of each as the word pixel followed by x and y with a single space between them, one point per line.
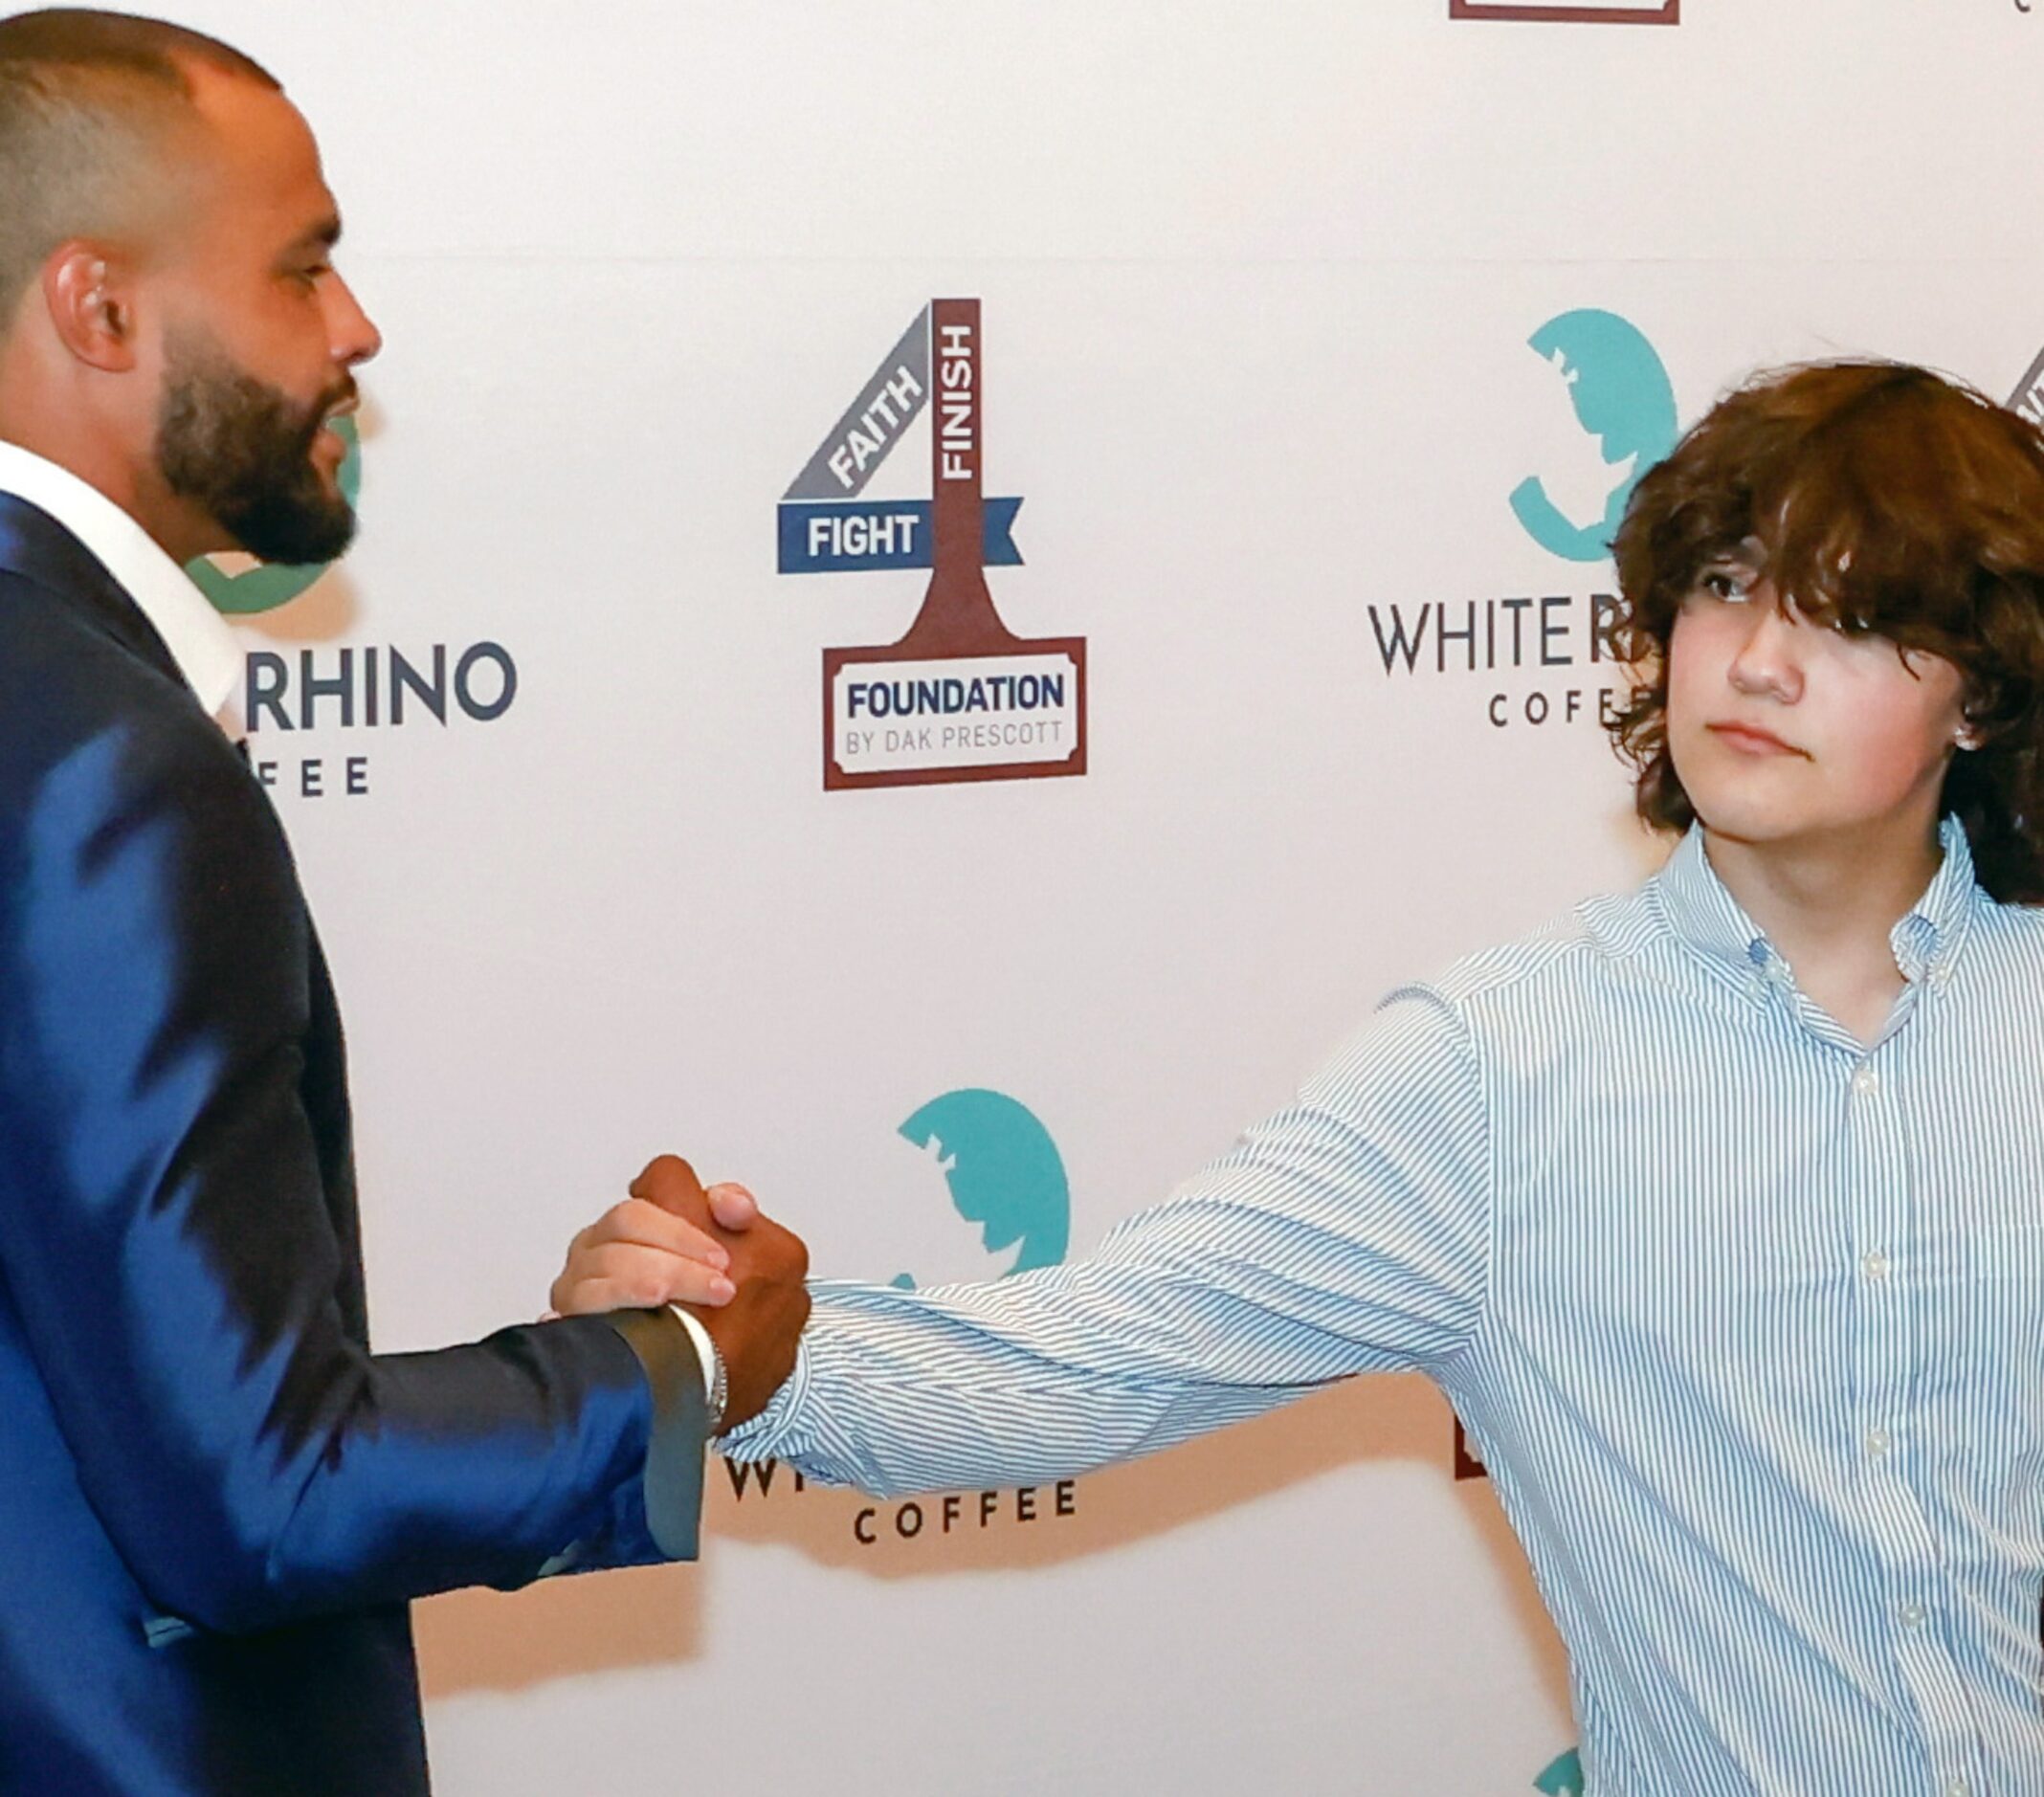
pixel 707 747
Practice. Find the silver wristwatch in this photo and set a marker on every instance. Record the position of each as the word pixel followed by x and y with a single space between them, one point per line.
pixel 720 1388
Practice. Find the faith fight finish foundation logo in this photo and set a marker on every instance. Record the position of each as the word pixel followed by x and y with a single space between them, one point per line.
pixel 960 697
pixel 1591 12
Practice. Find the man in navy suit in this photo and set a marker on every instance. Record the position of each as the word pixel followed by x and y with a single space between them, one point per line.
pixel 215 1501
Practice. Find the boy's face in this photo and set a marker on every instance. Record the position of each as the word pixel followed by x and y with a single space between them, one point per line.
pixel 1787 731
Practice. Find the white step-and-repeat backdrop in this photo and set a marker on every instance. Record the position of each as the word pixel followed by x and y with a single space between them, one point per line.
pixel 647 805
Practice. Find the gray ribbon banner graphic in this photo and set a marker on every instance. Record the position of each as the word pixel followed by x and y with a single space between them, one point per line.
pixel 873 423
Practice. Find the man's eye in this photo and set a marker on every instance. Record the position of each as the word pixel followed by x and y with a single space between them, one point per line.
pixel 1724 582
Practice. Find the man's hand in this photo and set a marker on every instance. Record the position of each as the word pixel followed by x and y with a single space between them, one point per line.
pixel 757 1328
pixel 638 1256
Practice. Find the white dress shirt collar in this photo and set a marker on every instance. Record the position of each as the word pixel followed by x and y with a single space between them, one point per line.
pixel 200 640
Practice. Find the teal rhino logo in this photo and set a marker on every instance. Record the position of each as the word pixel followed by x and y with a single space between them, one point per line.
pixel 1563 1778
pixel 272 584
pixel 1004 1172
pixel 1622 398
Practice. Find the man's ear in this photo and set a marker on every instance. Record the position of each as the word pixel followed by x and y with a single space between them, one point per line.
pixel 90 299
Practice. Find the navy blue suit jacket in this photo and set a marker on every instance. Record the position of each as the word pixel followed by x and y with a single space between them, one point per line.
pixel 215 1501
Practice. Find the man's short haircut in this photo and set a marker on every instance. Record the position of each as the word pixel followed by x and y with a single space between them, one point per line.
pixel 87 100
pixel 1884 499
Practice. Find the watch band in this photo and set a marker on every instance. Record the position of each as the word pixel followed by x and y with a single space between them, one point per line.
pixel 720 1387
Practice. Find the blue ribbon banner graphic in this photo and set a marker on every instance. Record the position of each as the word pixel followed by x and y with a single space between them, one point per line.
pixel 845 536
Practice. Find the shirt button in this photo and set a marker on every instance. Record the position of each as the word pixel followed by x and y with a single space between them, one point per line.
pixel 1866 1082
pixel 1913 1615
pixel 1958 1787
pixel 1875 1266
pixel 1878 1442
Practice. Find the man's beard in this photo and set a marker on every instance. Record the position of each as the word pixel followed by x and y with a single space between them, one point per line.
pixel 243 452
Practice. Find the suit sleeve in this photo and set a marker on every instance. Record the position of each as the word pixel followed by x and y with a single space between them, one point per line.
pixel 165 1235
pixel 1347 1233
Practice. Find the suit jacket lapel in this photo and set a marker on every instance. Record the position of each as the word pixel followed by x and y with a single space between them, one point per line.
pixel 35 547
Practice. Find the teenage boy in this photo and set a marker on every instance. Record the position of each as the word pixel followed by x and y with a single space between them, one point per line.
pixel 1717 1209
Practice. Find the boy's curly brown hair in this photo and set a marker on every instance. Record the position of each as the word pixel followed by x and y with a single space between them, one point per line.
pixel 1884 499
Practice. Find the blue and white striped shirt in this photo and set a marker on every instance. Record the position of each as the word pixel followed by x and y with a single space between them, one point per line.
pixel 1746 1319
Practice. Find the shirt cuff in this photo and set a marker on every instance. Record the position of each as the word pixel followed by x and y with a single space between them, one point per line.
pixel 772 1433
pixel 706 1350
pixel 673 1482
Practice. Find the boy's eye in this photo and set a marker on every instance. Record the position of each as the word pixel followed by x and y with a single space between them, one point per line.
pixel 1729 584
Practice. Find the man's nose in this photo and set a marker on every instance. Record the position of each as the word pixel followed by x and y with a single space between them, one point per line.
pixel 352 334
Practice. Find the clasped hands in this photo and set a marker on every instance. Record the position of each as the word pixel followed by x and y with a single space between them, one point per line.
pixel 711 1251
